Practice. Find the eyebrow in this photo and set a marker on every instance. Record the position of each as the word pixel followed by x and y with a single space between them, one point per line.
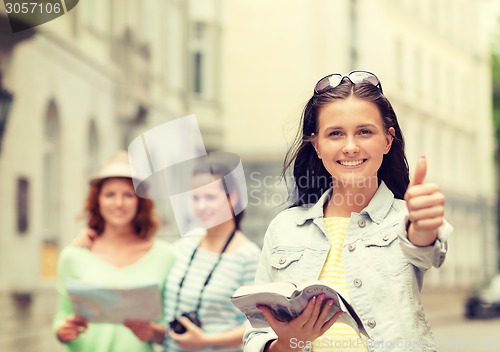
pixel 357 127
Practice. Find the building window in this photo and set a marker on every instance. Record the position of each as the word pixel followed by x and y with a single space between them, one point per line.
pixel 22 200
pixel 197 73
pixel 203 56
pixel 93 150
pixel 51 187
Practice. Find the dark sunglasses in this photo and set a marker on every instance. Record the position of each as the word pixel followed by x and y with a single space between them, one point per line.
pixel 356 77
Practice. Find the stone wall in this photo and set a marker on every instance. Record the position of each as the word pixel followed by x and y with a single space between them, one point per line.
pixel 26 321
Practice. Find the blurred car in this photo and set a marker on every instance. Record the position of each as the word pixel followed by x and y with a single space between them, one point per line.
pixel 484 301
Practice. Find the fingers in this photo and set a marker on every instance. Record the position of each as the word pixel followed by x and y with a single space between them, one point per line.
pixel 428 224
pixel 91 234
pixel 426 213
pixel 267 313
pixel 325 311
pixel 426 207
pixel 425 201
pixel 79 323
pixel 188 324
pixel 328 324
pixel 420 172
pixel 84 239
pixel 173 334
pixel 312 317
pixel 421 190
pixel 311 311
pixel 72 328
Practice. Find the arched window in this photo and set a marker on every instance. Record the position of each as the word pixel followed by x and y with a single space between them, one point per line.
pixel 92 150
pixel 51 192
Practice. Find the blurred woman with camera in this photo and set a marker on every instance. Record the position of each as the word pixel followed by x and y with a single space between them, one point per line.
pixel 209 269
pixel 122 253
pixel 211 264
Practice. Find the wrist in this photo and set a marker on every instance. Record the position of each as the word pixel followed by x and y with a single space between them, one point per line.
pixel 210 340
pixel 421 238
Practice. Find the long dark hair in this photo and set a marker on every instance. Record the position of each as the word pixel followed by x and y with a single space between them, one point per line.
pixel 306 164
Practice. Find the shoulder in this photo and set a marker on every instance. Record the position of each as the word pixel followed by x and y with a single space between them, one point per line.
pixel 245 250
pixel 162 245
pixel 289 219
pixel 248 248
pixel 184 246
pixel 70 259
pixel 290 214
pixel 164 249
pixel 71 253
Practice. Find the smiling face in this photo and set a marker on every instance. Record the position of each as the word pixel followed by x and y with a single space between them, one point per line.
pixel 211 204
pixel 118 202
pixel 352 139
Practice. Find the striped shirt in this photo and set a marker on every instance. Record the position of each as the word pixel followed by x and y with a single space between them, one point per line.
pixel 340 337
pixel 217 313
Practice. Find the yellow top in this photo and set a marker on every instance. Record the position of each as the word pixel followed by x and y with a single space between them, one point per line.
pixel 340 337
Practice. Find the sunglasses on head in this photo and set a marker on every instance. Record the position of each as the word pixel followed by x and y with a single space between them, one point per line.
pixel 356 77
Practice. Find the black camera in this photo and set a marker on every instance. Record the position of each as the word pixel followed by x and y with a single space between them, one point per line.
pixel 177 326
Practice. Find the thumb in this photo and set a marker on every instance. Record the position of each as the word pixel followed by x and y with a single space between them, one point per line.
pixel 188 324
pixel 420 171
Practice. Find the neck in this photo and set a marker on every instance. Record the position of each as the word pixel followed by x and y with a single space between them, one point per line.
pixel 216 236
pixel 119 234
pixel 350 196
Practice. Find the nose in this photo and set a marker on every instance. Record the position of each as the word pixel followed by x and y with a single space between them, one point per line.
pixel 199 203
pixel 350 146
pixel 119 201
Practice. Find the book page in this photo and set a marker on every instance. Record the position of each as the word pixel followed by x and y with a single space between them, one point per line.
pixel 279 305
pixel 100 304
pixel 286 289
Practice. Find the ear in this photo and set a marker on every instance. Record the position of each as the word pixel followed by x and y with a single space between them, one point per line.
pixel 314 143
pixel 389 137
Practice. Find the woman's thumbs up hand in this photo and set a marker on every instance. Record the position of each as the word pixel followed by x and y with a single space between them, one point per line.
pixel 425 205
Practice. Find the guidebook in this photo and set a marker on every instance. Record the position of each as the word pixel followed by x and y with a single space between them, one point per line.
pixel 287 300
pixel 106 304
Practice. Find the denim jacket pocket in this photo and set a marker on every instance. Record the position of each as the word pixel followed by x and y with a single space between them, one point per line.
pixel 286 263
pixel 381 239
pixel 384 248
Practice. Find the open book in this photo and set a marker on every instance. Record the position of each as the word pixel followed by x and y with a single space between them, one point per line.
pixel 101 304
pixel 287 300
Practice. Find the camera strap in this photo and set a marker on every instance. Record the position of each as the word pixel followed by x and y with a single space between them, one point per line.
pixel 181 283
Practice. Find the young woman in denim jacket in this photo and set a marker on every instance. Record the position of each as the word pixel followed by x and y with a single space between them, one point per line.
pixel 350 170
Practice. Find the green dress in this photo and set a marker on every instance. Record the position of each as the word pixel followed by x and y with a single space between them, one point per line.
pixel 77 263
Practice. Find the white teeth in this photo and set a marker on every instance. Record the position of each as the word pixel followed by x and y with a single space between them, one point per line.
pixel 351 163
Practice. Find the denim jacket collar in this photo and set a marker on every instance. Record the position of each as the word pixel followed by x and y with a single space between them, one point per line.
pixel 377 209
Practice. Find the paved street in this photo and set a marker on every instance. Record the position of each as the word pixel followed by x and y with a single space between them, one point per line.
pixel 455 333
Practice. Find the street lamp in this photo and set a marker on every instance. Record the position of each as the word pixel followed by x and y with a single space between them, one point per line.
pixel 5 104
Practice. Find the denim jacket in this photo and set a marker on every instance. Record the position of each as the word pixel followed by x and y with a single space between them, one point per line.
pixel 384 270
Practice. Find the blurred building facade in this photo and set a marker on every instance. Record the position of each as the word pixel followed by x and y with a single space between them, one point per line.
pixel 91 81
pixel 84 86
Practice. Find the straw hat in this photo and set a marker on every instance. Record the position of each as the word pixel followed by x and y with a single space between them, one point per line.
pixel 116 166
